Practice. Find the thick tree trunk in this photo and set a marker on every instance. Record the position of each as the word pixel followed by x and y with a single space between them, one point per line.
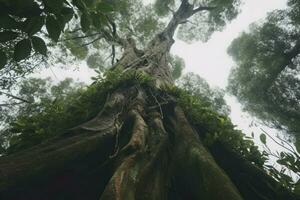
pixel 136 148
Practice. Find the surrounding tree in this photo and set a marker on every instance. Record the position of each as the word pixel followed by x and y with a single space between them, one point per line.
pixel 133 134
pixel 36 105
pixel 266 78
pixel 199 88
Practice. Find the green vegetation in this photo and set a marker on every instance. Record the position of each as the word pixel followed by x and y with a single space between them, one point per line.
pixel 51 112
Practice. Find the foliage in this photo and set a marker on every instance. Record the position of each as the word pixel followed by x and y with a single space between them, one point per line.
pixel 214 127
pixel 79 30
pixel 199 88
pixel 59 108
pixel 177 65
pixel 29 28
pixel 266 78
pixel 286 170
pixel 42 104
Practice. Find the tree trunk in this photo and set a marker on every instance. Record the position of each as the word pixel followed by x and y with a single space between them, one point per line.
pixel 140 146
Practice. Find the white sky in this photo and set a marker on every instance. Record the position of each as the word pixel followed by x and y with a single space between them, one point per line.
pixel 209 60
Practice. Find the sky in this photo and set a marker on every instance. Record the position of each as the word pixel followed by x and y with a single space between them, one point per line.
pixel 210 60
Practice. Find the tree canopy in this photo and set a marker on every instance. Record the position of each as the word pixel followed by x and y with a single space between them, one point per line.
pixel 266 77
pixel 91 30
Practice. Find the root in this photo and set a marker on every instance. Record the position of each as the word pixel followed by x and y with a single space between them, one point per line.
pixel 123 183
pixel 50 159
pixel 154 180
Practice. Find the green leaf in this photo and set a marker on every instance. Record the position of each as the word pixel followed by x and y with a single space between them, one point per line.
pixel 39 45
pixel 281 161
pixel 297 145
pixel 7 36
pixel 24 8
pixel 85 22
pixel 3 59
pixel 34 25
pixel 297 187
pixel 62 21
pixel 96 20
pixel 54 5
pixel 103 19
pixel 22 50
pixel 105 7
pixel 263 138
pixel 80 5
pixel 68 13
pixel 53 27
pixel 8 22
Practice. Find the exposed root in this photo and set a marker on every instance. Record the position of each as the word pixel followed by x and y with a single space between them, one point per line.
pixel 48 159
pixel 123 183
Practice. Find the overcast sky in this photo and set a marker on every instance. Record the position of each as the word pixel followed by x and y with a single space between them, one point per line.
pixel 210 59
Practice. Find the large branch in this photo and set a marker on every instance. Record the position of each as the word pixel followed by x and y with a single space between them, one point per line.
pixel 15 97
pixel 185 11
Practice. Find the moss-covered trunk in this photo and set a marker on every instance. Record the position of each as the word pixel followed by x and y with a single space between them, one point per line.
pixel 140 146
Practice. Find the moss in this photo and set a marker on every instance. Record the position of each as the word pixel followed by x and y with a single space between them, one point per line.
pixel 213 127
pixel 56 117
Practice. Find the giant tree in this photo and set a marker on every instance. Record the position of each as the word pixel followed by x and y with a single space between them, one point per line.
pixel 144 138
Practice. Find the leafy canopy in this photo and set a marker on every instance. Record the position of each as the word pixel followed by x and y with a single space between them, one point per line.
pixel 68 31
pixel 266 78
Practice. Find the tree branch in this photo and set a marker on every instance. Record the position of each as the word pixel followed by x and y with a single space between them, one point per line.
pixel 91 42
pixel 203 8
pixel 81 37
pixel 15 97
pixel 11 104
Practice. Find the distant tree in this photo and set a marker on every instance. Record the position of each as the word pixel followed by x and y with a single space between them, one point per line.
pixel 266 77
pixel 37 111
pixel 199 88
pixel 133 134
